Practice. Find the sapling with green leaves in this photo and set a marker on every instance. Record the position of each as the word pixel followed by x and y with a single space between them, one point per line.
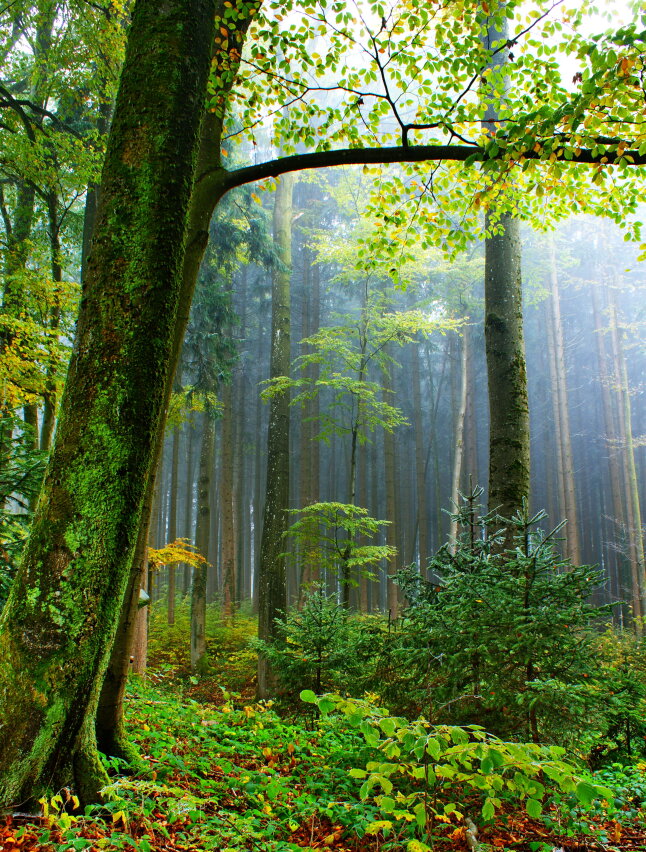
pixel 344 355
pixel 331 534
pixel 426 776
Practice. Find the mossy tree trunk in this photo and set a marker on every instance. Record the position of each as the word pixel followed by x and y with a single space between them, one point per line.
pixel 207 191
pixel 58 625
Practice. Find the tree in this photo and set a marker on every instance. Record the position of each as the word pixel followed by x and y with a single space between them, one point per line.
pixel 56 635
pixel 272 588
pixel 163 80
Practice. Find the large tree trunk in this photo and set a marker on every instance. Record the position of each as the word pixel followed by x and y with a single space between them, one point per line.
pixel 57 628
pixel 206 192
pixel 272 590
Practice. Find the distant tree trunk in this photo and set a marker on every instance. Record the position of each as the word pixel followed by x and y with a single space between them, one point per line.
pixel 458 440
pixel 199 658
pixel 610 430
pixel 189 489
pixel 559 463
pixel 272 587
pixel 56 635
pixel 420 466
pixel 228 551
pixel 635 531
pixel 573 547
pixel 392 598
pixel 172 522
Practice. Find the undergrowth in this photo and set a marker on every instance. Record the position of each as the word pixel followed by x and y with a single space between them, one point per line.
pixel 239 777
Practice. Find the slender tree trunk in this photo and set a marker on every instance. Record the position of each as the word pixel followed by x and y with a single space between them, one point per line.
pixel 57 629
pixel 392 597
pixel 228 558
pixel 610 430
pixel 458 442
pixel 189 488
pixel 420 467
pixel 172 522
pixel 272 588
pixel 556 412
pixel 199 658
pixel 635 531
pixel 573 547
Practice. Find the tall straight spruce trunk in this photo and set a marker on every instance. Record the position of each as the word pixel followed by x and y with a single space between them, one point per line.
pixel 57 628
pixel 504 340
pixel 506 371
pixel 272 582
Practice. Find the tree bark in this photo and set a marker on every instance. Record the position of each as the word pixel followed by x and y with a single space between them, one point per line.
pixel 458 442
pixel 272 590
pixel 172 523
pixel 504 344
pixel 229 548
pixel 207 189
pixel 506 371
pixel 59 623
pixel 573 547
pixel 199 657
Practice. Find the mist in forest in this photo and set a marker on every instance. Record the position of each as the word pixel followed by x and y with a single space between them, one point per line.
pixel 584 315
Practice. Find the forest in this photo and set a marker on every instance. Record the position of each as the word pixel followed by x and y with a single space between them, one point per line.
pixel 322 425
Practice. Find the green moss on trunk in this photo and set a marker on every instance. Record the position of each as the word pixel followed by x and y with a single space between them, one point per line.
pixel 57 628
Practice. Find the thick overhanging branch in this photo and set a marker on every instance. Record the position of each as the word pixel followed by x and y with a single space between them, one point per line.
pixel 412 154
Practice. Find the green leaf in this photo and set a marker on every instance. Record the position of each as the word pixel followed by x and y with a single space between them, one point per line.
pixel 434 748
pixel 308 696
pixel 488 810
pixel 586 793
pixel 533 808
pixel 486 765
pixel 387 804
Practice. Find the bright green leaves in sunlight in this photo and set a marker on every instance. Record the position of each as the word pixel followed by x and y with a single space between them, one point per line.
pixel 322 74
pixel 450 760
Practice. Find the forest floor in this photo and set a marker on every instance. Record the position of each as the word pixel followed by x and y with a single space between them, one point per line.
pixel 230 775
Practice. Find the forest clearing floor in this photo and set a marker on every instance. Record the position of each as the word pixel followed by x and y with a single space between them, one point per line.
pixel 237 776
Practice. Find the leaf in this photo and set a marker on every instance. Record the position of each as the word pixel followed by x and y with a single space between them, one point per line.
pixel 417 846
pixel 486 765
pixel 586 793
pixel 308 696
pixel 533 808
pixel 488 810
pixel 387 804
pixel 357 773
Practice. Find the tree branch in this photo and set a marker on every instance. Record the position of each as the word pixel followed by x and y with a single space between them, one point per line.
pixel 405 154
